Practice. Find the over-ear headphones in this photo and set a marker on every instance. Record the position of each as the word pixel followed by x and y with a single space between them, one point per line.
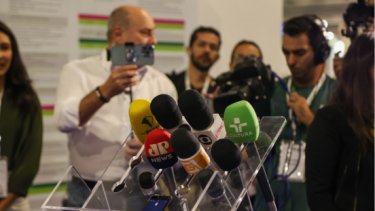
pixel 317 39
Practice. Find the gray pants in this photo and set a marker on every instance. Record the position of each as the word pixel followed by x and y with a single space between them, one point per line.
pixel 129 199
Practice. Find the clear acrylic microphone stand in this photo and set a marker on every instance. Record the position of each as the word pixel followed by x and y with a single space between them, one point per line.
pixel 123 193
pixel 129 195
pixel 238 181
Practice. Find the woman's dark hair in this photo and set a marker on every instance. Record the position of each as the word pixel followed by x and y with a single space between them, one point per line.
pixel 17 83
pixel 355 92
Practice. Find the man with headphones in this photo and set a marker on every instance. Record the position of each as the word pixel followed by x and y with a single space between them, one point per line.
pixel 297 97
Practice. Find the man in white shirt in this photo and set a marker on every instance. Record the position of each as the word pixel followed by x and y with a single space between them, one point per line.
pixel 92 107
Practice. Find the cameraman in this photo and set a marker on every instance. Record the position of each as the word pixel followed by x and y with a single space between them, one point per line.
pixel 359 19
pixel 248 79
pixel 92 106
pixel 244 48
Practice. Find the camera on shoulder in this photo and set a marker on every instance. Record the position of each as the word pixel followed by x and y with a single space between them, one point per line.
pixel 250 80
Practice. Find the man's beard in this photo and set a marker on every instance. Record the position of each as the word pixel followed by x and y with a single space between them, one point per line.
pixel 201 67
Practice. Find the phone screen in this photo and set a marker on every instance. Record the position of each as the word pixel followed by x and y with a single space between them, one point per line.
pixel 158 203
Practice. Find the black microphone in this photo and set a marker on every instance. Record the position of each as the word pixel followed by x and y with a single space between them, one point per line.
pixel 228 157
pixel 226 154
pixel 166 112
pixel 190 153
pixel 147 183
pixel 207 127
pixel 216 190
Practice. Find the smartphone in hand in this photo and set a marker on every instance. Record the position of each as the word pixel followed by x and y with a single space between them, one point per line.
pixel 130 53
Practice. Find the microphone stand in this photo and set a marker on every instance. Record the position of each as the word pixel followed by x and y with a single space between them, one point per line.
pixel 182 190
pixel 135 160
pixel 263 181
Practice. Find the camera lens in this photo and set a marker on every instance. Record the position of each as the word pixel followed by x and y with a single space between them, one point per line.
pixel 129 55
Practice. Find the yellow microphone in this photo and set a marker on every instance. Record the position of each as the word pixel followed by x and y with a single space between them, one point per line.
pixel 141 118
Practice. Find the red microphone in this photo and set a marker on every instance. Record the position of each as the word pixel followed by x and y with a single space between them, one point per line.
pixel 158 149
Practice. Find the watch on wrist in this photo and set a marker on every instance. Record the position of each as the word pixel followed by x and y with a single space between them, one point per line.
pixel 100 95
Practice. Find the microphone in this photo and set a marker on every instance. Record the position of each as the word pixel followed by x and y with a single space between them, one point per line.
pixel 242 126
pixel 167 113
pixel 241 122
pixel 189 152
pixel 147 183
pixel 158 149
pixel 207 127
pixel 141 118
pixel 142 122
pixel 160 154
pixel 228 157
pixel 226 154
pixel 216 190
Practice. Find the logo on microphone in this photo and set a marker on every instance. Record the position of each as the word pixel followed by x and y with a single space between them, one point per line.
pixel 241 122
pixel 160 148
pixel 238 125
pixel 204 139
pixel 149 122
pixel 238 129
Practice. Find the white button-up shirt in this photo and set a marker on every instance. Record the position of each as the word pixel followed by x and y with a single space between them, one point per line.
pixel 92 146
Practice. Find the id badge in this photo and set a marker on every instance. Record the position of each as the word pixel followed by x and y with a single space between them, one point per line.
pixel 292 160
pixel 3 177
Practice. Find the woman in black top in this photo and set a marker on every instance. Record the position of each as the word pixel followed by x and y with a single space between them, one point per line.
pixel 340 142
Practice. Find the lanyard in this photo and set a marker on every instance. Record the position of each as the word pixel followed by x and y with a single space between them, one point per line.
pixel 205 85
pixel 309 100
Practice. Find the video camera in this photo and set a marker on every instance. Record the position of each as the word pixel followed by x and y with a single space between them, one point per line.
pixel 358 18
pixel 250 80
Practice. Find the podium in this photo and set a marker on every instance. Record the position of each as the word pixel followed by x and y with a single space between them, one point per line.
pixel 221 191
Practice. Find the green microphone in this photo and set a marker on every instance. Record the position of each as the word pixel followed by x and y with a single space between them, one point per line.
pixel 242 126
pixel 241 122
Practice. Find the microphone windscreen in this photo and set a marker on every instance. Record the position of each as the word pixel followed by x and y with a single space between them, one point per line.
pixel 216 189
pixel 158 149
pixel 166 111
pixel 194 107
pixel 184 143
pixel 226 154
pixel 141 118
pixel 189 152
pixel 241 122
pixel 146 180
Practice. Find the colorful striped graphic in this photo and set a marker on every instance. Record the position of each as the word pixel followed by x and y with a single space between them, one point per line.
pixel 170 24
pixel 46 188
pixel 92 43
pixel 47 110
pixel 97 20
pixel 90 20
